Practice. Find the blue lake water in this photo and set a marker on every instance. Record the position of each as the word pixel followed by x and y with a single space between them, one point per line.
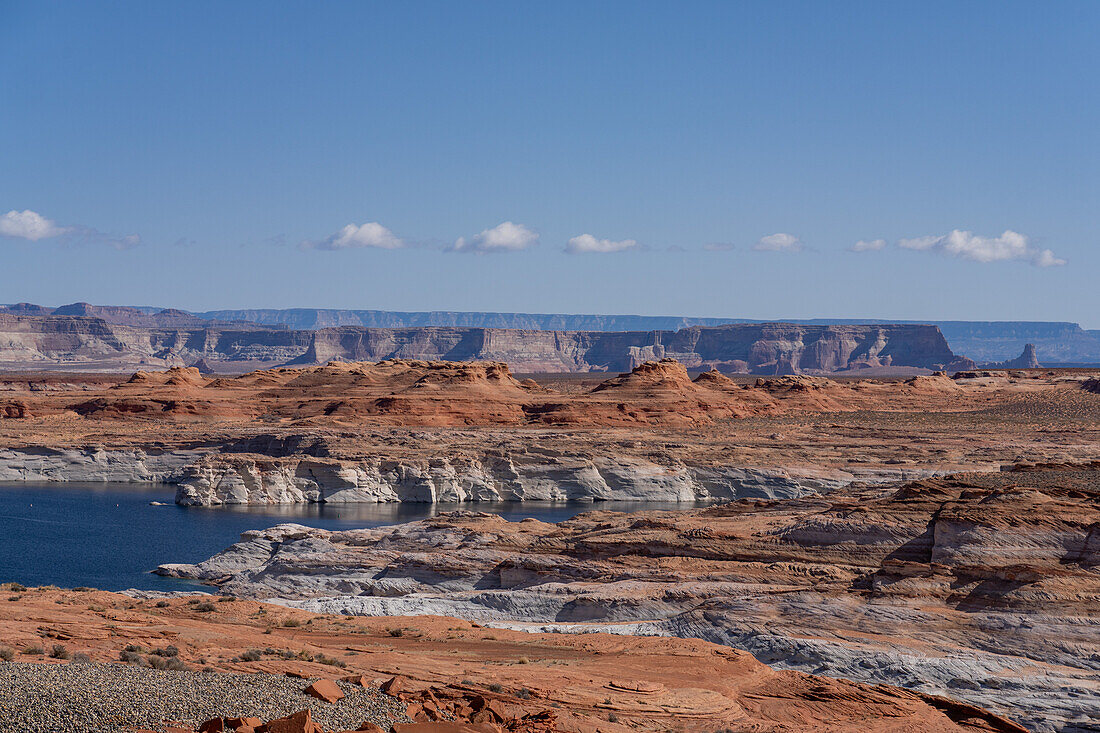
pixel 108 536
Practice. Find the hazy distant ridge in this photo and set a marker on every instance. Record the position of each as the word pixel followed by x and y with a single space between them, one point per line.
pixel 983 341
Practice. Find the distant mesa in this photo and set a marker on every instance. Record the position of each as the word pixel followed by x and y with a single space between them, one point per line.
pixel 987 342
pixel 81 336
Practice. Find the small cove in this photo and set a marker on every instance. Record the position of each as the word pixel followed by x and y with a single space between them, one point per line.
pixel 109 536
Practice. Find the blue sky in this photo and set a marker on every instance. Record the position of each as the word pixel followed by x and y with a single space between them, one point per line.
pixel 707 159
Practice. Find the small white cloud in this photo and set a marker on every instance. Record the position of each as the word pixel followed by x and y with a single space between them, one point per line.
pixel 586 243
pixel 780 242
pixel 1046 258
pixel 29 225
pixel 968 246
pixel 718 246
pixel 371 234
pixel 504 237
pixel 868 245
pixel 32 226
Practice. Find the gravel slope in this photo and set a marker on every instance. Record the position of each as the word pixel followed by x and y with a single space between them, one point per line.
pixel 105 698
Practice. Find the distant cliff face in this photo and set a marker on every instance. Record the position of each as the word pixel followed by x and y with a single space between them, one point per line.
pixel 88 342
pixel 773 348
pixel 985 341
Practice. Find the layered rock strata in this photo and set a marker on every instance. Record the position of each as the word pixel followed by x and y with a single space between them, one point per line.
pixel 175 339
pixel 981 586
pixel 448 667
pixel 245 479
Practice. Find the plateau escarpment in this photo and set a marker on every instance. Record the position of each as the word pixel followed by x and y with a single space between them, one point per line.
pixel 760 349
pixel 172 338
pixel 983 587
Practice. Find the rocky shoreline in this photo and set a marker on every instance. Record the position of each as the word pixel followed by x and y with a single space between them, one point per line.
pixel 955 586
pixel 208 478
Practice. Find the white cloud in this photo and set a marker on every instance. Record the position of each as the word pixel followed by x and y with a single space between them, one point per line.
pixel 32 226
pixel 29 225
pixel 718 246
pixel 586 243
pixel 504 237
pixel 780 242
pixel 868 245
pixel 371 234
pixel 968 246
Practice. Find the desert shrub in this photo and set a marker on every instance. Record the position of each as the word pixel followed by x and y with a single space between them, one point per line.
pixel 7 653
pixel 163 604
pixel 83 589
pixel 330 661
pixel 134 648
pixel 170 663
pixel 496 688
pixel 523 660
pixel 252 655
pixel 133 658
pixel 176 665
pixel 523 694
pixel 14 587
pixel 612 718
pixel 291 623
pixel 33 649
pixel 226 599
pixel 81 658
pixel 171 651
pixel 397 632
pixel 205 607
pixel 58 651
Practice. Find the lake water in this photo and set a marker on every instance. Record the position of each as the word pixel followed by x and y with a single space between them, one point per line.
pixel 108 536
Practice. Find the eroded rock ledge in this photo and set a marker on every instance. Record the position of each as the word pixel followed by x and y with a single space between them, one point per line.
pixel 253 479
pixel 980 586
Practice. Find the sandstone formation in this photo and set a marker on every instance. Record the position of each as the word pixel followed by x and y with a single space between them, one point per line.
pixel 977 586
pixel 444 431
pixel 110 340
pixel 1026 360
pixel 986 341
pixel 763 349
pixel 527 682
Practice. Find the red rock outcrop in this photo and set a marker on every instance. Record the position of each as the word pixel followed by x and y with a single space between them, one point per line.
pixel 514 681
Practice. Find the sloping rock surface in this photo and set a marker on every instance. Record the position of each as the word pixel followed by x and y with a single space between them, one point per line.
pixel 984 587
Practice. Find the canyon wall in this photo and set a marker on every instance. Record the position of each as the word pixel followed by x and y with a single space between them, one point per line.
pixel 773 348
pixel 1056 342
pixel 258 479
